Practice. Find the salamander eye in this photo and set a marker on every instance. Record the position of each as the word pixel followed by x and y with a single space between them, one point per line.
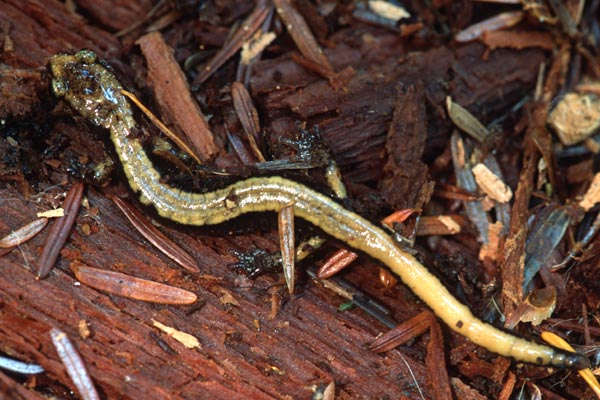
pixel 59 87
pixel 86 56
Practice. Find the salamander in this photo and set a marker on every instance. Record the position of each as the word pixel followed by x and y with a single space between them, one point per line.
pixel 94 92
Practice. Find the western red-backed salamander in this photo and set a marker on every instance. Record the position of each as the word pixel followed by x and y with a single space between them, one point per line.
pixel 95 93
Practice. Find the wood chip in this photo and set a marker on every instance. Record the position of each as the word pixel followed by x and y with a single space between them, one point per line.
pixel 227 297
pixel 491 184
pixel 388 10
pixel 536 308
pixel 592 196
pixel 464 391
pixel 189 341
pixel 251 48
pixel 575 117
pixel 490 250
pixel 435 362
pixel 83 328
pixel 518 40
pixel 450 224
pixel 500 21
pixel 56 213
pixel 166 78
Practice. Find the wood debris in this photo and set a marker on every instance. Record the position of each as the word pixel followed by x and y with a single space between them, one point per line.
pixel 575 117
pixel 500 21
pixel 491 184
pixel 189 341
pixel 165 78
pixel 592 196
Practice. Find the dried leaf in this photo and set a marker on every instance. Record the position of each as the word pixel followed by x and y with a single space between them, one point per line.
pixel 60 230
pixel 586 374
pixel 156 237
pixel 74 364
pixel 465 121
pixel 337 262
pixel 248 116
pixel 19 367
pixel 301 34
pixel 404 332
pixel 286 243
pixel 131 287
pixel 243 33
pixel 500 21
pixel 24 233
pixel 545 234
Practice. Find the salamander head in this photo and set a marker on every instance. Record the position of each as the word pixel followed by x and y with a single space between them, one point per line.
pixel 89 87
